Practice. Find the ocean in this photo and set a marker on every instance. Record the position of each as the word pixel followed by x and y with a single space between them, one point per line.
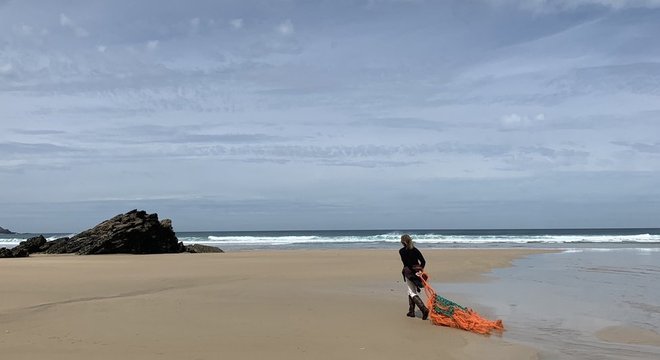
pixel 385 239
pixel 555 302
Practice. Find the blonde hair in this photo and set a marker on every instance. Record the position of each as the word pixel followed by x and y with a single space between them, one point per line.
pixel 407 241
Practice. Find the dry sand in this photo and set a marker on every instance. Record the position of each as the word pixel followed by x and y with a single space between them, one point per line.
pixel 330 304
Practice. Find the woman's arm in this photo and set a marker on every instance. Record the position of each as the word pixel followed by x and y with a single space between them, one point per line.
pixel 420 257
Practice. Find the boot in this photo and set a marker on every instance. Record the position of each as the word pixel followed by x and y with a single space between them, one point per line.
pixel 411 307
pixel 420 304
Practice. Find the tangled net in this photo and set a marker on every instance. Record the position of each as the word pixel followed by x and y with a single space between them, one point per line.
pixel 445 312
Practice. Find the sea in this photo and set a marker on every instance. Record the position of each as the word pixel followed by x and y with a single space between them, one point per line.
pixel 386 239
pixel 556 302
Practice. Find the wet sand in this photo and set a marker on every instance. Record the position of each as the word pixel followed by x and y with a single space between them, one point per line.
pixel 329 304
pixel 629 335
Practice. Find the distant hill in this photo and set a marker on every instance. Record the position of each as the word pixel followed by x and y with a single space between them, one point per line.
pixel 5 231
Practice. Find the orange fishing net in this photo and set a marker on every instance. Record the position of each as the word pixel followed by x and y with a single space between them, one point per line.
pixel 447 313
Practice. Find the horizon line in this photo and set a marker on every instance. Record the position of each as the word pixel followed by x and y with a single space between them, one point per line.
pixel 388 230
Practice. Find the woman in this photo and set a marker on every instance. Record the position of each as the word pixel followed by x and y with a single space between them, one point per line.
pixel 413 262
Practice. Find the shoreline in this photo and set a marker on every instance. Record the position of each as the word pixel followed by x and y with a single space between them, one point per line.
pixel 284 304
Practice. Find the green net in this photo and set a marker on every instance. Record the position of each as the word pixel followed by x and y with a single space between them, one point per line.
pixel 445 306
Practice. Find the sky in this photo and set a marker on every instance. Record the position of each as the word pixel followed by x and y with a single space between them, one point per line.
pixel 300 114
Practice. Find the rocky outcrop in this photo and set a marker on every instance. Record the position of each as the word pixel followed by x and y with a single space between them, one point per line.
pixel 5 231
pixel 24 248
pixel 53 246
pixel 13 253
pixel 31 245
pixel 6 253
pixel 135 232
pixel 198 249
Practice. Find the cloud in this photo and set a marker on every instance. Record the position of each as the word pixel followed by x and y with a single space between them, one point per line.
pixel 38 132
pixel 6 68
pixel 357 154
pixel 152 44
pixel 236 23
pixel 653 148
pixel 158 134
pixel 24 30
pixel 402 123
pixel 559 5
pixel 17 148
pixel 66 22
pixel 519 122
pixel 540 157
pixel 285 28
pixel 194 25
pixel 372 4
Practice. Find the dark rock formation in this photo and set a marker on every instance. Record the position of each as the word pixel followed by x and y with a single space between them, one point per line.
pixel 197 248
pixel 6 253
pixel 135 232
pixel 5 231
pixel 20 253
pixel 13 253
pixel 30 245
pixel 55 245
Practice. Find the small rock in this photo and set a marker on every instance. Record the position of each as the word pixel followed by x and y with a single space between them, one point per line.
pixel 197 248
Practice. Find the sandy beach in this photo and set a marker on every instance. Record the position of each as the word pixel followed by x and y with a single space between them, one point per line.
pixel 329 304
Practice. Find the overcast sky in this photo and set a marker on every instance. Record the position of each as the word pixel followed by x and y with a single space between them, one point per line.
pixel 381 114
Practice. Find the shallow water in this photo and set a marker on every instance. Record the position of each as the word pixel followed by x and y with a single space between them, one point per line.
pixel 557 302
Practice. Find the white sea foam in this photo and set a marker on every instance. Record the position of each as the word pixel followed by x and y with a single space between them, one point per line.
pixel 51 238
pixel 16 240
pixel 329 239
pixel 422 239
pixel 572 251
pixel 641 250
pixel 548 239
pixel 12 240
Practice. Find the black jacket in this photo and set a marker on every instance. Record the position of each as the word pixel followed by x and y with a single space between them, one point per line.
pixel 411 259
